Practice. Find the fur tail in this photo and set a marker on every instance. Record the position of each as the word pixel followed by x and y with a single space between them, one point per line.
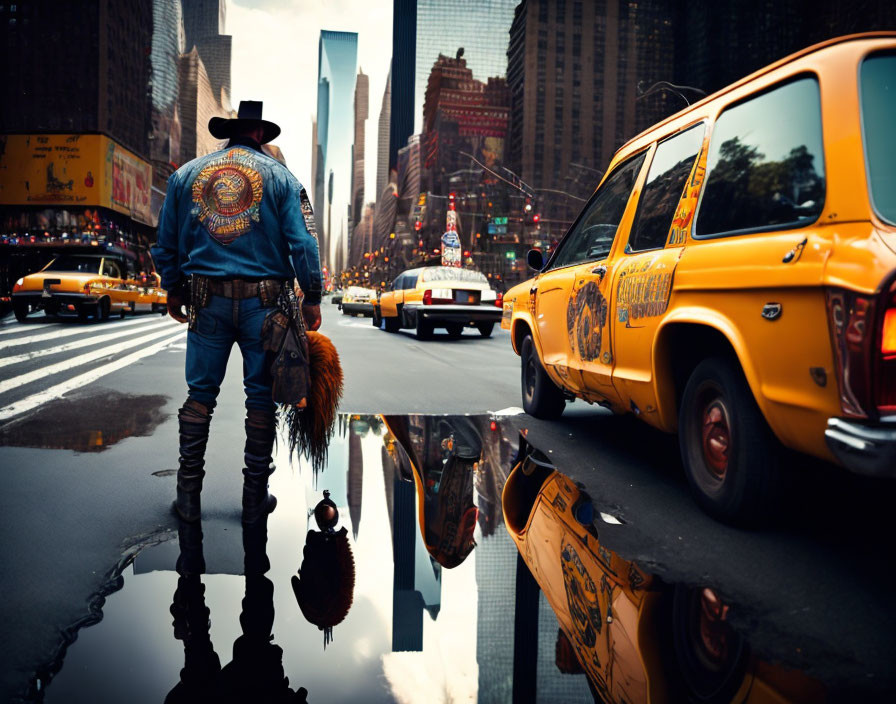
pixel 310 429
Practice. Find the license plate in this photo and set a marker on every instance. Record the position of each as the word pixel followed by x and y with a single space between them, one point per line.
pixel 465 297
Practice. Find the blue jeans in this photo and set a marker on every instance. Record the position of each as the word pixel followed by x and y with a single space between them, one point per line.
pixel 218 325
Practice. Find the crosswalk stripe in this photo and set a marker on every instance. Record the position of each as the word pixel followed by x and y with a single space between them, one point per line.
pixel 69 331
pixel 77 344
pixel 66 364
pixel 30 402
pixel 20 327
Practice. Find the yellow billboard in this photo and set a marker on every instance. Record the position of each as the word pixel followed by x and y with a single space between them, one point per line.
pixel 74 169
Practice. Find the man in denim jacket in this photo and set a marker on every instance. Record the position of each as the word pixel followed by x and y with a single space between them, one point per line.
pixel 238 225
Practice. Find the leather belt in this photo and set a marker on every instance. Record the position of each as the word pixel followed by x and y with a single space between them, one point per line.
pixel 234 288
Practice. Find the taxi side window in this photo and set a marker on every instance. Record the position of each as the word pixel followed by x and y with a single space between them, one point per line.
pixel 765 167
pixel 591 238
pixel 111 268
pixel 410 281
pixel 669 171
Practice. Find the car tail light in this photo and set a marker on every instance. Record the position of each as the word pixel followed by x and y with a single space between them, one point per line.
pixel 438 295
pixel 499 300
pixel 886 362
pixel 863 333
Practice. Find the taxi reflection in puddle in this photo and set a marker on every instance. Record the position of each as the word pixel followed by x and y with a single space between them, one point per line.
pixel 636 638
pixel 452 460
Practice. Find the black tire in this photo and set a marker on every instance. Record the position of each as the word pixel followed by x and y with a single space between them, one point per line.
pixel 121 313
pixel 344 311
pixel 711 657
pixel 103 309
pixel 377 319
pixel 20 311
pixel 159 308
pixel 455 330
pixel 424 328
pixel 485 329
pixel 392 324
pixel 730 455
pixel 541 396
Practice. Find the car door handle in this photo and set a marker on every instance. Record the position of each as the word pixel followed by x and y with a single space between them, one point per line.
pixel 599 271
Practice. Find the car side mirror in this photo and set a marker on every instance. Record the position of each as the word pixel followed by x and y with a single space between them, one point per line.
pixel 535 259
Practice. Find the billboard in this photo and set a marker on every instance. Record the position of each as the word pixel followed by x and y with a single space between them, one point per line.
pixel 74 169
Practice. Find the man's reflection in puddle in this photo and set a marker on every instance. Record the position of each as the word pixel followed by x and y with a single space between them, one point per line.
pixel 325 585
pixel 255 674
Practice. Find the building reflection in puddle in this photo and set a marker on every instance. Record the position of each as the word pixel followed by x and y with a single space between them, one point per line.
pixel 87 423
pixel 434 619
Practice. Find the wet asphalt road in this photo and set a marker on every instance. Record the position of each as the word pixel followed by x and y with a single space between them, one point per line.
pixel 813 589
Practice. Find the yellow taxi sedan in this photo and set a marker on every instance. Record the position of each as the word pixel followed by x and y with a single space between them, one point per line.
pixel 439 297
pixel 94 284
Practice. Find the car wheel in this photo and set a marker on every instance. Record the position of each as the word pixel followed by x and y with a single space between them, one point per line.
pixel 455 329
pixel 541 396
pixel 730 456
pixel 711 656
pixel 392 324
pixel 21 312
pixel 424 328
pixel 159 308
pixel 103 308
pixel 376 320
pixel 485 329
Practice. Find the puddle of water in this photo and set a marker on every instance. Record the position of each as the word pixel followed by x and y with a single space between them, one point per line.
pixel 86 423
pixel 428 574
pixel 426 595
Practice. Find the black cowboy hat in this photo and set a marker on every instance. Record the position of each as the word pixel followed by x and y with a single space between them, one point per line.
pixel 248 117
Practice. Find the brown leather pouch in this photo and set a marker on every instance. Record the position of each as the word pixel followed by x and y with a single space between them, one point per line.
pixel 287 349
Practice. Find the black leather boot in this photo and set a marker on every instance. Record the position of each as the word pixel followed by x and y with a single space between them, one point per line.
pixel 194 419
pixel 260 433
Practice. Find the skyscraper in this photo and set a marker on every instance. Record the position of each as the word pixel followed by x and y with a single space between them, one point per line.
pixel 574 70
pixel 337 62
pixel 197 104
pixel 362 110
pixel 204 26
pixel 443 26
pixel 382 147
pixel 167 46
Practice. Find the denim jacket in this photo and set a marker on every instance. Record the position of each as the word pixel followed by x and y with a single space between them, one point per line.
pixel 237 213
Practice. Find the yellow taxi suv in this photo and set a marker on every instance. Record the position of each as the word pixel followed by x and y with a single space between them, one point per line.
pixel 439 297
pixel 733 279
pixel 92 284
pixel 636 638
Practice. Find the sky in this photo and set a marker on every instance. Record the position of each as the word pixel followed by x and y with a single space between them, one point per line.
pixel 275 60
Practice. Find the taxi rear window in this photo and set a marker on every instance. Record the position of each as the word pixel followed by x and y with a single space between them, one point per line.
pixel 878 95
pixel 765 168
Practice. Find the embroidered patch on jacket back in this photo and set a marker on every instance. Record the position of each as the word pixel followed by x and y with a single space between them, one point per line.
pixel 227 195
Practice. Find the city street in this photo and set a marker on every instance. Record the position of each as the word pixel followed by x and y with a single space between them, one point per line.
pixel 89 539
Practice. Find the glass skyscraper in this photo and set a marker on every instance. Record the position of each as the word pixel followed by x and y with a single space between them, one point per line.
pixel 337 66
pixel 481 27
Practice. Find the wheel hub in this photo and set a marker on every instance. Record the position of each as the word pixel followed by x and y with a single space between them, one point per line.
pixel 716 437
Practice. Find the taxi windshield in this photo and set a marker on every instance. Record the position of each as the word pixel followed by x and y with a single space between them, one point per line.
pixel 878 108
pixel 82 264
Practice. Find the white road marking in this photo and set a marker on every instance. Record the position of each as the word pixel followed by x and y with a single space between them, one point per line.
pixel 77 344
pixel 355 324
pixel 68 332
pixel 66 364
pixel 511 411
pixel 30 402
pixel 21 327
pixel 609 518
